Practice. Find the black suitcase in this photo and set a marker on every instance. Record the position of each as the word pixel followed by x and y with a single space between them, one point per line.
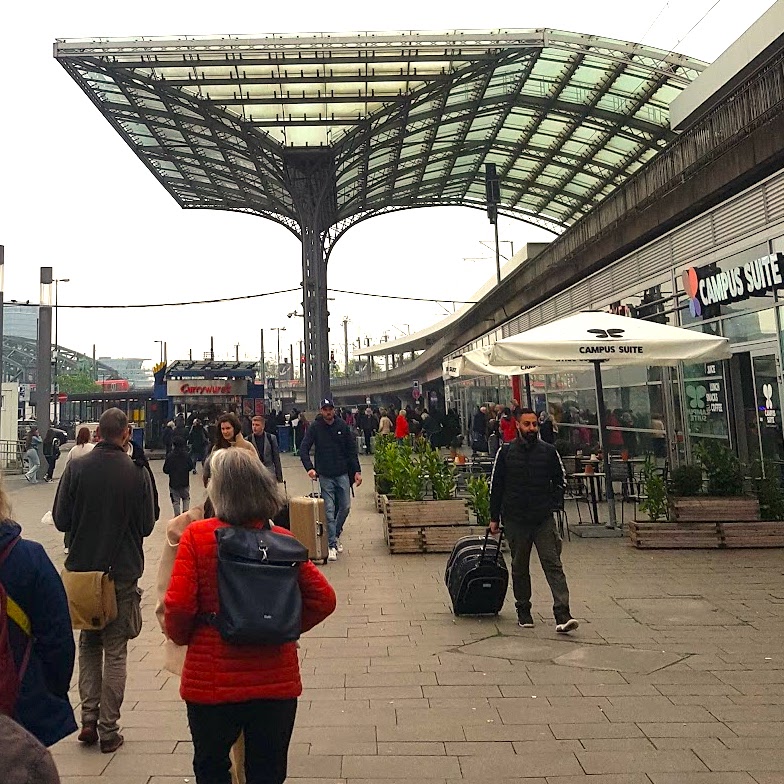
pixel 476 575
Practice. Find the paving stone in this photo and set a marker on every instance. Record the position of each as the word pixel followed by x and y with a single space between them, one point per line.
pixel 414 748
pixel 400 767
pixel 702 778
pixel 508 766
pixel 685 729
pixel 596 730
pixel 745 760
pixel 594 762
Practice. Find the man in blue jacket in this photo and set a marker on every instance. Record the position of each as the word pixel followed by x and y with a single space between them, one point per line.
pixel 336 467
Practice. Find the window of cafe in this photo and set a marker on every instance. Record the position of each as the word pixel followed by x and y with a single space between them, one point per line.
pixel 634 400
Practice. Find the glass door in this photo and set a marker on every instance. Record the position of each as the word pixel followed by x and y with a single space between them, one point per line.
pixel 768 410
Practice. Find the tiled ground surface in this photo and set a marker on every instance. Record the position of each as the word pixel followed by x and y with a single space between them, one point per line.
pixel 675 675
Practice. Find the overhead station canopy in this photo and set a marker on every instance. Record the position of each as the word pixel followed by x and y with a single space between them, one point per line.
pixel 405 119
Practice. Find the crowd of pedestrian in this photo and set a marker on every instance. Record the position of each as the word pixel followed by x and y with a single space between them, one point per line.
pixel 493 425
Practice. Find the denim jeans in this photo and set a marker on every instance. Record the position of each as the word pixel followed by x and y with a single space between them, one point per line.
pixel 177 495
pixel 336 492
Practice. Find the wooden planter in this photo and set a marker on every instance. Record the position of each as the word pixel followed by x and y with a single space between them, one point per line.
pixel 709 522
pixel 713 509
pixel 425 526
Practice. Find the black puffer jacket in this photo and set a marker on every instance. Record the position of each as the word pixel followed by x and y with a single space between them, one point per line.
pixel 336 448
pixel 525 482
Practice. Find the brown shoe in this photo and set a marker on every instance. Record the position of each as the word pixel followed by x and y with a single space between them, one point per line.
pixel 108 746
pixel 89 733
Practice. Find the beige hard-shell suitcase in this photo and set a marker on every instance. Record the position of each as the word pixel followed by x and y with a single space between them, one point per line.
pixel 309 524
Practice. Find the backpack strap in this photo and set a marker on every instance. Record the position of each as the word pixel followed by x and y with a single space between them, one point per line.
pixel 13 610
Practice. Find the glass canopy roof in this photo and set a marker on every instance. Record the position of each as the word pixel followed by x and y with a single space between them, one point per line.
pixel 406 119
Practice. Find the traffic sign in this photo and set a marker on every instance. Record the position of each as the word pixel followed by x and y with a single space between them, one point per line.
pixel 416 393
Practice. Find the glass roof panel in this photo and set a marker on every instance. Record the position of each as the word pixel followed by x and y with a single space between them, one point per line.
pixel 389 108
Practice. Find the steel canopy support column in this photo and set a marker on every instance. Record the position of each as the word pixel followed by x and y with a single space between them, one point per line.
pixel 309 175
pixel 314 306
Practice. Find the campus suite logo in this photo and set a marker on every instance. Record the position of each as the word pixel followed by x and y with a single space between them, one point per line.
pixel 691 285
pixel 609 334
pixel 696 394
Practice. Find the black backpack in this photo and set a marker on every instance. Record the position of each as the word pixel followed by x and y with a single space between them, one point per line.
pixel 258 586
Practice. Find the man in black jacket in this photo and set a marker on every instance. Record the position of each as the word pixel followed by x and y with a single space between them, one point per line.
pixel 337 467
pixel 266 446
pixel 527 478
pixel 105 501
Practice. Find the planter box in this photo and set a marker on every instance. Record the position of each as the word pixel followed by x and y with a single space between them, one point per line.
pixel 425 526
pixel 644 534
pixel 714 509
pixel 721 535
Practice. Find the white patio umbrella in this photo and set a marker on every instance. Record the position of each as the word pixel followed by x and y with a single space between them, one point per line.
pixel 475 363
pixel 604 338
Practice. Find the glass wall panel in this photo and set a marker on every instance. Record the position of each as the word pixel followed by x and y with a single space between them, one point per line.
pixel 760 325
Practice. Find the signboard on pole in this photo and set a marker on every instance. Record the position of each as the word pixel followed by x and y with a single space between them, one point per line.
pixel 416 392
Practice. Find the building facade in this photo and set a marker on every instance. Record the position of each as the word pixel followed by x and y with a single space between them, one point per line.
pixel 722 273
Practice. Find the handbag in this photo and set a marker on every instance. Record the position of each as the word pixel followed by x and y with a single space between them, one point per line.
pixel 258 587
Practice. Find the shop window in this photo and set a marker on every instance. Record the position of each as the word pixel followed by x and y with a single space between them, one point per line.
pixel 705 400
pixel 760 325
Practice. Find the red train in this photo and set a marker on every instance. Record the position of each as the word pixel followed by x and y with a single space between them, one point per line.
pixel 114 385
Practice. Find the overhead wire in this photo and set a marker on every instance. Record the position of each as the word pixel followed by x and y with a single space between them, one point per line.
pixel 220 300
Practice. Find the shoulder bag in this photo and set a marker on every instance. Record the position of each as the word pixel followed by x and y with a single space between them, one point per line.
pixel 92 600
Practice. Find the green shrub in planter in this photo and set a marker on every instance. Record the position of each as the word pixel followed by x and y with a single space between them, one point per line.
pixel 438 472
pixel 406 475
pixel 723 469
pixel 767 485
pixel 479 499
pixel 686 480
pixel 386 447
pixel 655 490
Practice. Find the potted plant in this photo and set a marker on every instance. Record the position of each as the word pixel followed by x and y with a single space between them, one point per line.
pixel 654 490
pixel 414 524
pixel 725 498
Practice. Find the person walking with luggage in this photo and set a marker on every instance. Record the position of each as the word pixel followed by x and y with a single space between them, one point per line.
pixel 230 688
pixel 527 476
pixel 336 467
pixel 54 437
pixel 178 467
pixel 369 423
pixel 105 500
pixel 37 626
pixel 266 446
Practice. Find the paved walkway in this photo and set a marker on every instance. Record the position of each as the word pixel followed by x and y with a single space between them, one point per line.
pixel 675 676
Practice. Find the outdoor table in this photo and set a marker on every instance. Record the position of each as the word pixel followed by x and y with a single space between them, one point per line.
pixel 592 491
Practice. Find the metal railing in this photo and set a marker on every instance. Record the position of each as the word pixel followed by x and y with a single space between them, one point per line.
pixel 12 457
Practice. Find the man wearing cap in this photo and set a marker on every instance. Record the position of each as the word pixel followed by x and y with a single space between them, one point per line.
pixel 336 467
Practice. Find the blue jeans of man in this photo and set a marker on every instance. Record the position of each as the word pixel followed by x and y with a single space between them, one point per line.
pixel 336 492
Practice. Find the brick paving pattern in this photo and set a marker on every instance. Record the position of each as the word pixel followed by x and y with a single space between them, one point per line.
pixel 675 676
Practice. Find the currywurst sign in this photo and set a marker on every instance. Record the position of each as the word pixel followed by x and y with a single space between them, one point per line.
pixel 201 387
pixel 706 286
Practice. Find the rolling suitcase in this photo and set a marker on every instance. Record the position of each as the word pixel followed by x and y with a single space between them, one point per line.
pixel 308 521
pixel 476 576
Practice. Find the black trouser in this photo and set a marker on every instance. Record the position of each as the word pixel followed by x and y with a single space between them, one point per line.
pixel 267 725
pixel 544 536
pixel 51 461
pixel 368 436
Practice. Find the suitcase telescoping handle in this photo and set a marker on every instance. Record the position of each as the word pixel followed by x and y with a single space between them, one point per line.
pixel 487 539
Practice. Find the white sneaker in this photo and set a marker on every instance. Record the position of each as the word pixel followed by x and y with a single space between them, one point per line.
pixel 339 547
pixel 333 554
pixel 567 626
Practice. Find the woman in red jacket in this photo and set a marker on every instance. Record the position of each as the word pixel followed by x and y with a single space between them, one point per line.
pixel 507 426
pixel 228 688
pixel 401 426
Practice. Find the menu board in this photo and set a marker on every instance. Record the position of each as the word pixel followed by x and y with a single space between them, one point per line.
pixel 705 399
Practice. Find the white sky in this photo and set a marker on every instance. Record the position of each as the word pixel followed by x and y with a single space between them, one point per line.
pixel 74 196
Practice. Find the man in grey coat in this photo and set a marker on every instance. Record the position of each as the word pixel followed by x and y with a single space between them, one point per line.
pixel 267 447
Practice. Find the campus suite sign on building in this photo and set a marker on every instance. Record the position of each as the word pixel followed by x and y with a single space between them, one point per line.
pixel 199 387
pixel 707 286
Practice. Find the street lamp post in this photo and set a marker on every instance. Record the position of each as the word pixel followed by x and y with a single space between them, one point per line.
pixel 43 381
pixel 278 330
pixel 56 380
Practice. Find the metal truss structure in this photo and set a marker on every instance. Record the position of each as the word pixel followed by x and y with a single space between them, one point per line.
pixel 20 361
pixel 320 131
